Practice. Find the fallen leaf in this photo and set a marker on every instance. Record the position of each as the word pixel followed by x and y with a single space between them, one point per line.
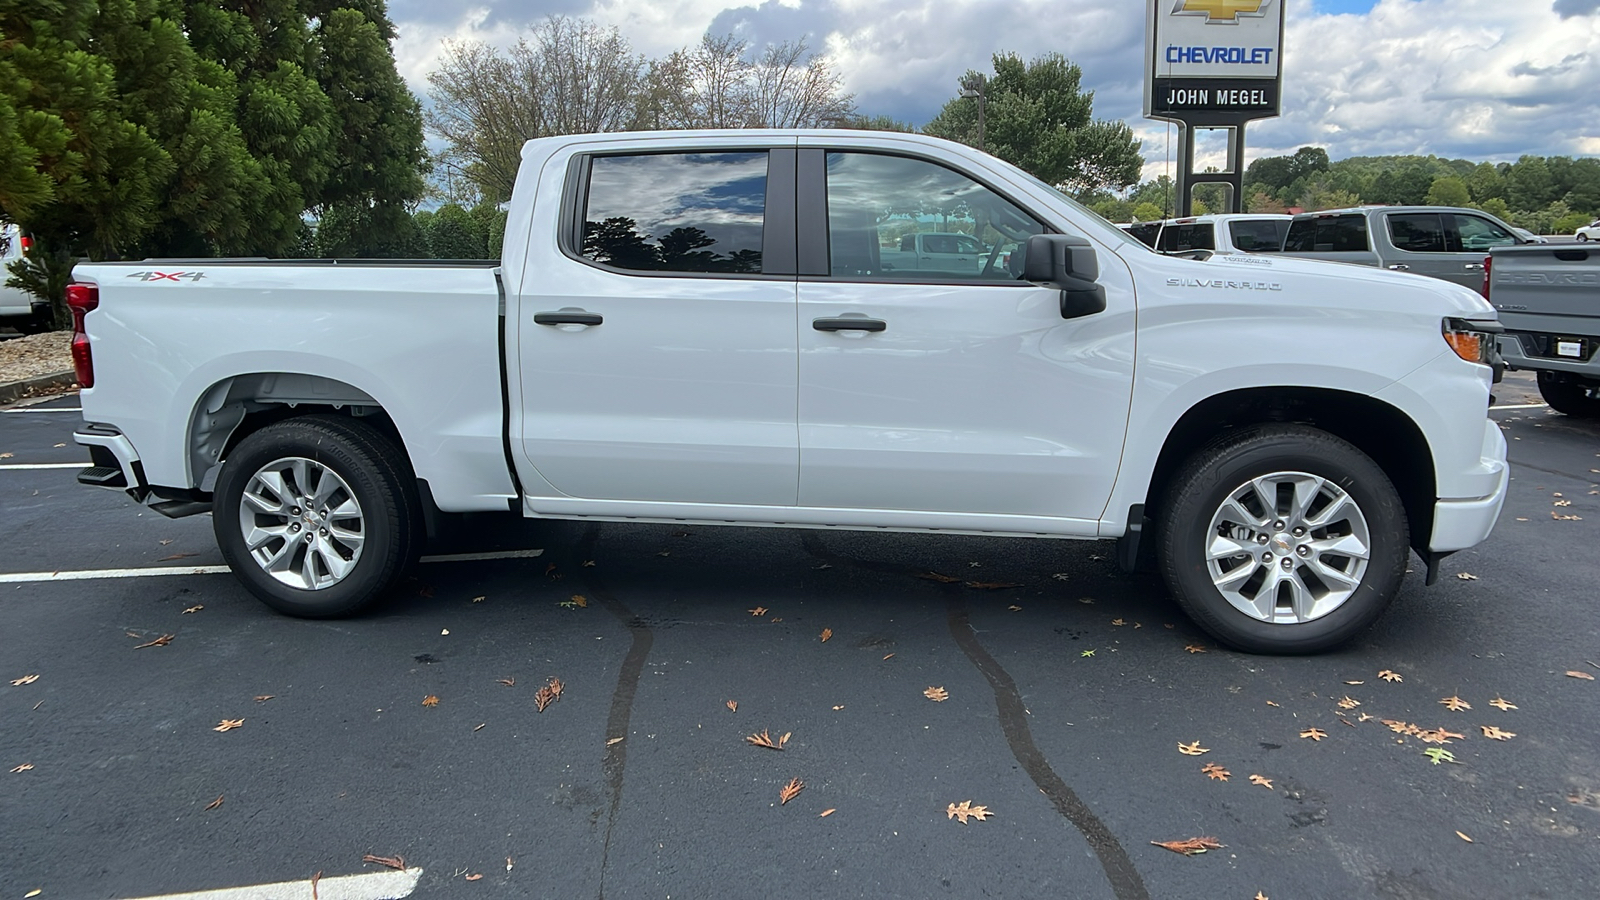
pixel 1261 896
pixel 194 609
pixel 1493 733
pixel 665 553
pixel 1270 703
pixel 733 705
pixel 764 739
pixel 936 694
pixel 935 576
pixel 966 810
pixel 888 656
pixel 1363 717
pixel 547 695
pixel 992 585
pixel 176 556
pixel 826 633
pixel 509 864
pixel 825 813
pixel 1465 838
pixel 6 455
pixel 479 599
pixel 430 700
pixel 1387 675
pixel 1560 518
pixel 1215 772
pixel 1195 648
pixel 1118 622
pixel 393 862
pixel 1502 703
pixel 556 687
pixel 1348 703
pixel 26 679
pixel 479 727
pixel 1191 846
pixel 25 767
pixel 475 877
pixel 1193 749
pixel 578 601
pixel 1315 734
pixel 1439 755
pixel 758 611
pixel 1355 682
pixel 1466 576
pixel 262 698
pixel 1435 735
pixel 1087 653
pixel 1577 674
pixel 162 641
pixel 1061 576
pixel 839 707
pixel 1014 608
pixel 1264 782
pixel 588 564
pixel 1563 503
pixel 612 741
pixel 314 879
pixel 166 541
pixel 444 631
pixel 229 725
pixel 214 804
pixel 510 681
pixel 790 791
pixel 33 893
pixel 1086 600
pixel 1455 704
pixel 775 619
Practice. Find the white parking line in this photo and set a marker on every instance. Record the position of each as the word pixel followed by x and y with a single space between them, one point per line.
pixel 31 409
pixel 161 571
pixel 1523 406
pixel 368 886
pixel 76 465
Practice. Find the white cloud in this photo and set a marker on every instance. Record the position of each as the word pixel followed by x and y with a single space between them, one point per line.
pixel 1469 78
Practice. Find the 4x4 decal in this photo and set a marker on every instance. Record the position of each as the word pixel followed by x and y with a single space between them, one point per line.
pixel 167 276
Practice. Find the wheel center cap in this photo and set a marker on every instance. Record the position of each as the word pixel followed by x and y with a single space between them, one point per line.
pixel 1282 543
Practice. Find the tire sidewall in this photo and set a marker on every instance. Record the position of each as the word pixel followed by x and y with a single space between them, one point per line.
pixel 1327 457
pixel 366 483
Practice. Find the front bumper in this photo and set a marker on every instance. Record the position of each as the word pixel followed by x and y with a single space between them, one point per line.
pixel 1459 524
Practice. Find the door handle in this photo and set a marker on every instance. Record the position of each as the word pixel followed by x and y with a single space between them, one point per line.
pixel 1474 267
pixel 849 323
pixel 567 317
pixel 1400 268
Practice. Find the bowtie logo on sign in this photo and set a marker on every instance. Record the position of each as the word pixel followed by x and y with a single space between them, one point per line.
pixel 1226 12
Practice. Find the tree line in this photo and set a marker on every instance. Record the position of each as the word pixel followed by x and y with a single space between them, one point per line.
pixel 1546 195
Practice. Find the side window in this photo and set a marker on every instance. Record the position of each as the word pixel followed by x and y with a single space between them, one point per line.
pixel 1417 232
pixel 875 202
pixel 1481 234
pixel 1178 238
pixel 1327 234
pixel 676 212
pixel 1263 236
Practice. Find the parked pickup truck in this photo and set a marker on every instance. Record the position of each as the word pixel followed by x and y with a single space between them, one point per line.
pixel 1225 233
pixel 1548 297
pixel 695 327
pixel 940 252
pixel 1437 241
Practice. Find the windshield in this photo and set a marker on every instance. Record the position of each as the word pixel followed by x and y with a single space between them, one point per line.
pixel 1107 231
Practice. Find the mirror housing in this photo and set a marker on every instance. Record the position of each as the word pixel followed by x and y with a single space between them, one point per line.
pixel 1067 263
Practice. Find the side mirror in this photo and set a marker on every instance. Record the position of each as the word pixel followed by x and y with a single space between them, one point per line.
pixel 1068 263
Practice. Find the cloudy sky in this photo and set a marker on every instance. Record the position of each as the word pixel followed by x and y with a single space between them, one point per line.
pixel 1480 79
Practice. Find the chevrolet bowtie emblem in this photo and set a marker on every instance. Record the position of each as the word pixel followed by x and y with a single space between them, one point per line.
pixel 1227 11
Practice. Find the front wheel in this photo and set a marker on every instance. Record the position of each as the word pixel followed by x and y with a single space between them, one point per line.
pixel 1583 238
pixel 317 516
pixel 1283 539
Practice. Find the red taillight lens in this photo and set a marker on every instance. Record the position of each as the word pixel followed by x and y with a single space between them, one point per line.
pixel 1488 269
pixel 27 244
pixel 82 299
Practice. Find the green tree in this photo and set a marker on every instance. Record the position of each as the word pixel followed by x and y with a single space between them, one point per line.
pixel 454 233
pixel 1038 117
pixel 1274 174
pixel 880 123
pixel 1448 190
pixel 1486 183
pixel 1529 185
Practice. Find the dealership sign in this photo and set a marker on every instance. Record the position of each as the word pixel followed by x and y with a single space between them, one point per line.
pixel 1213 62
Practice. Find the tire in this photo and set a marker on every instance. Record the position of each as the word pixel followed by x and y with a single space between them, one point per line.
pixel 1583 239
pixel 1573 398
pixel 371 535
pixel 1351 503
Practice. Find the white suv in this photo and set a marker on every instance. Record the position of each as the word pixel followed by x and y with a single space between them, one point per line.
pixel 18 309
pixel 1590 232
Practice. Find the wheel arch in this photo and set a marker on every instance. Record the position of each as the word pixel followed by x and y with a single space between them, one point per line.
pixel 1380 430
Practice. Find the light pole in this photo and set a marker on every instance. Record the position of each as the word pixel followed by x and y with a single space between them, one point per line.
pixel 975 87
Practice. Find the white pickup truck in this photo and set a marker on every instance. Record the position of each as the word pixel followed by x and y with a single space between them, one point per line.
pixel 693 327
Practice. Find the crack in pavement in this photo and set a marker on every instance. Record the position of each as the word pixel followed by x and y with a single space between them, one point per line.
pixel 1125 880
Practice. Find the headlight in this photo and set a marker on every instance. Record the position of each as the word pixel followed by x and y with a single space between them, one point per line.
pixel 1473 339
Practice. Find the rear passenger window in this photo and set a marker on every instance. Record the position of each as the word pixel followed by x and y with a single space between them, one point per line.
pixel 1178 238
pixel 676 212
pixel 1327 234
pixel 1417 232
pixel 1263 236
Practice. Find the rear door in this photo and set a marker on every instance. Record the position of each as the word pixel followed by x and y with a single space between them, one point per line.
pixel 658 346
pixel 1422 245
pixel 944 391
pixel 1338 237
pixel 1474 236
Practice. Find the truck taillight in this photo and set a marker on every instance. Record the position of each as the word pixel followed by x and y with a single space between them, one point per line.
pixel 1488 268
pixel 82 299
pixel 26 244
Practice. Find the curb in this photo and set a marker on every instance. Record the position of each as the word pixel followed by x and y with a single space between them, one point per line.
pixel 17 390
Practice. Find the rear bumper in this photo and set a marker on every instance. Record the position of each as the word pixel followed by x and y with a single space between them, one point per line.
pixel 1459 524
pixel 1520 349
pixel 110 450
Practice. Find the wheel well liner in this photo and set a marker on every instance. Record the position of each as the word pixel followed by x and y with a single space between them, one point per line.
pixel 1381 431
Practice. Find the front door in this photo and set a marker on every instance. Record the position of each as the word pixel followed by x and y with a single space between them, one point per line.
pixel 658 353
pixel 945 391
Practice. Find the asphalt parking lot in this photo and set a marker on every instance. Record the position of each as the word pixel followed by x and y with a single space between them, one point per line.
pixel 1070 688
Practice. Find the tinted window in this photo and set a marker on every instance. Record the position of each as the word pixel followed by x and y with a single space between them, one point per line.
pixel 1178 238
pixel 1327 234
pixel 1261 236
pixel 1418 232
pixel 677 212
pixel 875 202
pixel 1481 234
pixel 1144 232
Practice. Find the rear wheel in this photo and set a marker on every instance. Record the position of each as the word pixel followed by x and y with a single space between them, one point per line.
pixel 1283 539
pixel 1574 398
pixel 317 516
